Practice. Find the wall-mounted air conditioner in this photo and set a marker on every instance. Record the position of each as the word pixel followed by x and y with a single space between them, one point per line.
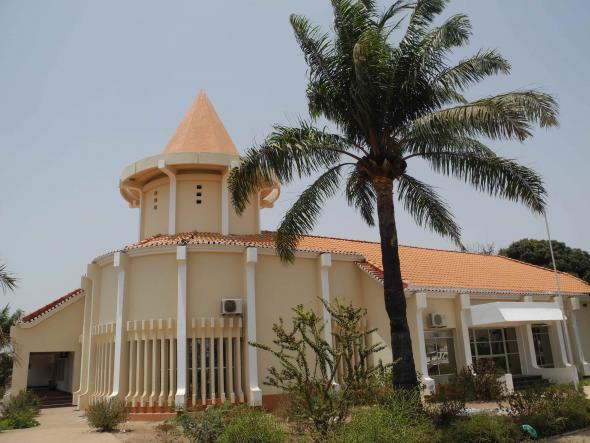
pixel 437 320
pixel 231 306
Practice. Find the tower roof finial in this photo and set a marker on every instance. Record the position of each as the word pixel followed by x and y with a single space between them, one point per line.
pixel 201 130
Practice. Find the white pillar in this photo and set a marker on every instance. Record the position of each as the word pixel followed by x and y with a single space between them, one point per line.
pixel 120 263
pixel 584 365
pixel 562 336
pixel 181 328
pixel 86 285
pixel 225 204
pixel 421 304
pixel 464 322
pixel 255 397
pixel 325 263
pixel 172 196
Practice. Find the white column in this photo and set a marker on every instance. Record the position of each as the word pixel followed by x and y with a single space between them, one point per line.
pixel 225 204
pixel 530 341
pixel 172 196
pixel 255 397
pixel 562 336
pixel 180 397
pixel 464 322
pixel 325 263
pixel 584 365
pixel 421 304
pixel 86 285
pixel 120 263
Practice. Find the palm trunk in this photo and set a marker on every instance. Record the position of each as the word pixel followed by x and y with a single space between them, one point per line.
pixel 404 370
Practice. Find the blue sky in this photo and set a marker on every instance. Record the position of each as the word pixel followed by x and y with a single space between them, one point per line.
pixel 89 87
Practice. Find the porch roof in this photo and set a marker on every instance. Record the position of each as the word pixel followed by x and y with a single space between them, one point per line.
pixel 498 313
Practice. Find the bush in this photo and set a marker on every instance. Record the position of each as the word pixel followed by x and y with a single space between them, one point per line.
pixel 107 415
pixel 205 426
pixel 308 366
pixel 483 428
pixel 481 381
pixel 251 425
pixel 19 411
pixel 445 411
pixel 550 411
pixel 380 424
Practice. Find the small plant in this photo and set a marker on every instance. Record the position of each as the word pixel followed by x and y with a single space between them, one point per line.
pixel 381 424
pixel 309 365
pixel 107 415
pixel 480 381
pixel 166 432
pixel 550 411
pixel 205 426
pixel 19 411
pixel 251 425
pixel 483 428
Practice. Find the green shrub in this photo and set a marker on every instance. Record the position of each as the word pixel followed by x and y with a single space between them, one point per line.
pixel 483 428
pixel 481 381
pixel 205 426
pixel 107 415
pixel 379 424
pixel 445 410
pixel 553 410
pixel 251 425
pixel 19 411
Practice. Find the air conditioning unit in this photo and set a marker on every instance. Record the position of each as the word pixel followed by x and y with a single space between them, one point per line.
pixel 437 320
pixel 231 306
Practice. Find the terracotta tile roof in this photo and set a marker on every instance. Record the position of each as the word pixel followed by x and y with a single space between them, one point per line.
pixel 421 267
pixel 51 306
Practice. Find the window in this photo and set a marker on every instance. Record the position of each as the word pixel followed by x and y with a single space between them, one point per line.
pixel 542 346
pixel 199 194
pixel 440 354
pixel 499 345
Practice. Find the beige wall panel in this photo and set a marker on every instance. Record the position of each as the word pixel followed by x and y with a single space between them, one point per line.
pixel 279 288
pixel 212 276
pixel 151 287
pixel 203 217
pixel 57 333
pixel 376 315
pixel 107 304
pixel 345 282
pixel 445 306
pixel 247 223
pixel 154 208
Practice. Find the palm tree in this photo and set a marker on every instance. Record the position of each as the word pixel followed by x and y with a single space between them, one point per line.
pixel 389 104
pixel 7 354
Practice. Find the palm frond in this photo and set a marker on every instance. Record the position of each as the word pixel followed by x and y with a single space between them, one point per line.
pixel 303 214
pixel 472 70
pixel 505 116
pixel 427 208
pixel 499 177
pixel 361 196
pixel 288 152
pixel 8 281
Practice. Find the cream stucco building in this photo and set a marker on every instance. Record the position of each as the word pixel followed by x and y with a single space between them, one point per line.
pixel 147 324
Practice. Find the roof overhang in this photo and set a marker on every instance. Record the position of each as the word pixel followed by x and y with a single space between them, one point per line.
pixel 514 313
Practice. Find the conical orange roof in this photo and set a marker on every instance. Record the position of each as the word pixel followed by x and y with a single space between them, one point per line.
pixel 201 130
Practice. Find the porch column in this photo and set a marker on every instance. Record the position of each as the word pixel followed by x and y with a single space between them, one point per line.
pixel 172 196
pixel 584 365
pixel 255 397
pixel 464 321
pixel 181 328
pixel 562 336
pixel 530 342
pixel 120 263
pixel 421 304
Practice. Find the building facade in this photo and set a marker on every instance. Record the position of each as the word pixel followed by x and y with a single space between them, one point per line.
pixel 166 321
